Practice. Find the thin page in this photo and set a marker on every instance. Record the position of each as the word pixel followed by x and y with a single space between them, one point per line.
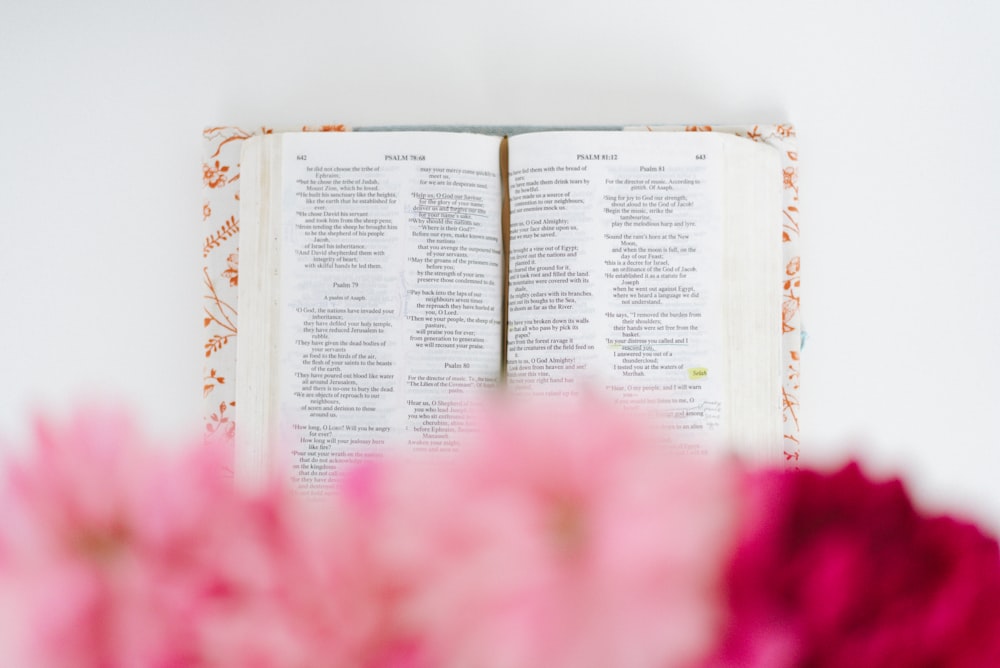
pixel 615 280
pixel 391 293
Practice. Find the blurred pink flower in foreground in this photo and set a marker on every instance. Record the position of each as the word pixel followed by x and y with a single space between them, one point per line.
pixel 558 538
pixel 96 533
pixel 562 538
pixel 836 570
pixel 115 555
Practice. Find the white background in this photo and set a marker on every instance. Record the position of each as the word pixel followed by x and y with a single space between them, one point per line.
pixel 896 104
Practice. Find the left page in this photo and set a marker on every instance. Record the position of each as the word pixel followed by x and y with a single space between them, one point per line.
pixel 379 265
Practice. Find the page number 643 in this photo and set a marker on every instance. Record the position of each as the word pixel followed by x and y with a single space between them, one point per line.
pixel 700 156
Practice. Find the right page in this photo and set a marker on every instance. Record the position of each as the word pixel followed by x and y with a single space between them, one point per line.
pixel 643 265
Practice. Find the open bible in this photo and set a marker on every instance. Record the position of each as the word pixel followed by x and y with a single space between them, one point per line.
pixel 389 279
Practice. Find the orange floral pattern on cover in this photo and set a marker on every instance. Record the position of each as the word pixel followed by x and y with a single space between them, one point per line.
pixel 221 266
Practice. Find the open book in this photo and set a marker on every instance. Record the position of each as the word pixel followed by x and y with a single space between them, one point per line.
pixel 388 279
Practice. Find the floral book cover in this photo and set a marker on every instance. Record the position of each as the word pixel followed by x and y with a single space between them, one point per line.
pixel 220 265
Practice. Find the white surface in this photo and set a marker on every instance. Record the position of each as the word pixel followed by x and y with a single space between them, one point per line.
pixel 101 110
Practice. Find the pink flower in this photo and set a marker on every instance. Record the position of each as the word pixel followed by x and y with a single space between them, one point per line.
pixel 559 539
pixel 95 529
pixel 115 555
pixel 836 570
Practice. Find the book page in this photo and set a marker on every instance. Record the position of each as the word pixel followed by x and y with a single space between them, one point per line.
pixel 391 293
pixel 616 272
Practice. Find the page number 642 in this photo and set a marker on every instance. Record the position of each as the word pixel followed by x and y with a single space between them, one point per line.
pixel 700 156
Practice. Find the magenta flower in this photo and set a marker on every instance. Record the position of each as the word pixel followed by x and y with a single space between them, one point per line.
pixel 837 570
